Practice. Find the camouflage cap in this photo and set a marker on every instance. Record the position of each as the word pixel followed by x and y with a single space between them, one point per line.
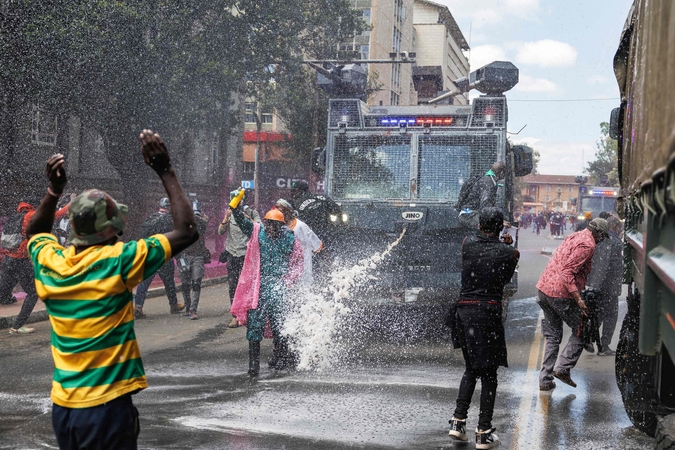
pixel 599 226
pixel 95 217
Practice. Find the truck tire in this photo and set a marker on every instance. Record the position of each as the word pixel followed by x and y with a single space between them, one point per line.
pixel 643 420
pixel 633 375
pixel 665 433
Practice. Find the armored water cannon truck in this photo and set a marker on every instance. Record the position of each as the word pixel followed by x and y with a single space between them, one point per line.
pixel 399 170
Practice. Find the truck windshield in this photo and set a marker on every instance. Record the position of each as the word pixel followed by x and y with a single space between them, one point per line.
pixel 443 170
pixel 596 205
pixel 371 167
pixel 446 162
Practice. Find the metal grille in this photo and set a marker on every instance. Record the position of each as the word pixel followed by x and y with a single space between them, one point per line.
pixel 446 162
pixel 489 110
pixel 370 166
pixel 348 111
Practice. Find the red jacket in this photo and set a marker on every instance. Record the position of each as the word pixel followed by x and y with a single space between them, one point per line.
pixel 569 266
pixel 21 251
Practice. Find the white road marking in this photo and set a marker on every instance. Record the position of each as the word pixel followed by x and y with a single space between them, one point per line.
pixel 532 415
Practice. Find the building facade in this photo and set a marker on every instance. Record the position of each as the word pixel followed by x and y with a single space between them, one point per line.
pixel 390 32
pixel 439 49
pixel 549 193
pixel 399 29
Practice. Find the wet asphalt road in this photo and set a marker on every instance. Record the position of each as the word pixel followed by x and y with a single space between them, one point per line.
pixel 393 391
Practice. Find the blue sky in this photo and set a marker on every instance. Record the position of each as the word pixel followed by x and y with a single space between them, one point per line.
pixel 564 50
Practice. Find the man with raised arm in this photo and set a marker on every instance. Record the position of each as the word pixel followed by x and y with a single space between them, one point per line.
pixel 87 292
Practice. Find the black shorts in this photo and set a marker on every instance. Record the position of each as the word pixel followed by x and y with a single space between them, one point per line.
pixel 112 425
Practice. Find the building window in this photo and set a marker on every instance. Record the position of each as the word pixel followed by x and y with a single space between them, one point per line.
pixel 44 127
pixel 249 167
pixel 396 76
pixel 399 12
pixel 251 109
pixel 366 15
pixel 396 40
pixel 251 112
pixel 571 189
pixel 548 198
pixel 548 188
pixel 393 98
pixel 365 52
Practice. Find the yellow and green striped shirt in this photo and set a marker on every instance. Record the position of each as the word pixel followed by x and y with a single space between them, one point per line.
pixel 90 305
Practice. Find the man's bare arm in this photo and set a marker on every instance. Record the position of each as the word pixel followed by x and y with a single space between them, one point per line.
pixel 43 219
pixel 157 157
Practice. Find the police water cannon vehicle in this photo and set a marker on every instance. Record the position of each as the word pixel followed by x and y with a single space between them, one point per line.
pixel 396 168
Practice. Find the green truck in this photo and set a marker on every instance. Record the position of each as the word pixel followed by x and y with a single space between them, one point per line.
pixel 644 124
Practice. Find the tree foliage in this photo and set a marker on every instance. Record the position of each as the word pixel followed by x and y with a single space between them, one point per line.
pixel 604 170
pixel 121 66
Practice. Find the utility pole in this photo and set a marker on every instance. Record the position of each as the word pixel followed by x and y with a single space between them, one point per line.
pixel 256 164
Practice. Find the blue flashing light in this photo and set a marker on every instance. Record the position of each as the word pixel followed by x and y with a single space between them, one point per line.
pixel 416 121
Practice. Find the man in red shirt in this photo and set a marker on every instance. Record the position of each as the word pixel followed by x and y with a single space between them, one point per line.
pixel 17 268
pixel 560 299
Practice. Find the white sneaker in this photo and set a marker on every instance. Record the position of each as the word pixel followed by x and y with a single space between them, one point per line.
pixel 22 330
pixel 486 439
pixel 458 430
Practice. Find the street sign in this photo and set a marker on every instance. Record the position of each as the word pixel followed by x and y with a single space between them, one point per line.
pixel 247 184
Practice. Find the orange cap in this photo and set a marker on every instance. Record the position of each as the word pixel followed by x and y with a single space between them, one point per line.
pixel 588 215
pixel 275 214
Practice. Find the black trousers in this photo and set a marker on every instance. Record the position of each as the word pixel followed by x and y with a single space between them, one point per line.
pixel 19 270
pixel 608 315
pixel 234 266
pixel 166 274
pixel 488 392
pixel 113 425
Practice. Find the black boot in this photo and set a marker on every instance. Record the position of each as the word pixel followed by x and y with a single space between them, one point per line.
pixel 274 360
pixel 253 358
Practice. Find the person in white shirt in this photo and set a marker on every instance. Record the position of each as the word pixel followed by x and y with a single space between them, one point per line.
pixel 310 242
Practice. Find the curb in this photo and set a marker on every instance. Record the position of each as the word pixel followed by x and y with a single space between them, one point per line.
pixel 36 316
pixel 547 250
pixel 41 316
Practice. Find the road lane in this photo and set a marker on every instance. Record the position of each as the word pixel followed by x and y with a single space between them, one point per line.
pixel 389 393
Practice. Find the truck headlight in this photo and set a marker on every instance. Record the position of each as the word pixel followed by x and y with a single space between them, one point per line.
pixel 333 218
pixel 345 217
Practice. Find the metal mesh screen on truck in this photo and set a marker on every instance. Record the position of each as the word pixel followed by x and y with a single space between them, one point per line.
pixel 489 111
pixel 371 166
pixel 446 162
pixel 346 111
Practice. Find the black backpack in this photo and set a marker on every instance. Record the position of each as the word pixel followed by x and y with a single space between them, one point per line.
pixel 12 236
pixel 466 190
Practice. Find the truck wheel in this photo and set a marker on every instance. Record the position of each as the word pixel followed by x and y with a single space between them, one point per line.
pixel 633 375
pixel 643 421
pixel 665 433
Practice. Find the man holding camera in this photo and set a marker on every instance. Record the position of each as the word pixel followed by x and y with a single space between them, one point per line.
pixel 560 299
